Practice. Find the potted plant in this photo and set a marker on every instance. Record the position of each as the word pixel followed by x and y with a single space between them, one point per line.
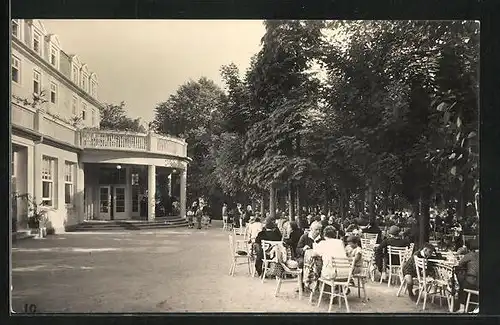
pixel 37 217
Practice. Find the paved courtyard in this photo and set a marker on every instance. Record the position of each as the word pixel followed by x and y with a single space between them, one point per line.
pixel 171 270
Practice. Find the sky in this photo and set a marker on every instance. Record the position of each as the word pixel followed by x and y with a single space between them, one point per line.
pixel 143 62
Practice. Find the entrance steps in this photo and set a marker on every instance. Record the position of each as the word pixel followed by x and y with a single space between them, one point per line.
pixel 112 225
pixel 22 234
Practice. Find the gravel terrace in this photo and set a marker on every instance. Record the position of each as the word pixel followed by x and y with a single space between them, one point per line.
pixel 170 270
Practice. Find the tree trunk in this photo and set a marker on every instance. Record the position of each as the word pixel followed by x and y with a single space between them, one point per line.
pixel 291 203
pixel 298 210
pixel 387 194
pixel 425 200
pixel 272 201
pixel 371 200
pixel 326 199
pixel 263 206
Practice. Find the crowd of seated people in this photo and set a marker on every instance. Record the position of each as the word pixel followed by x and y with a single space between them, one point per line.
pixel 311 240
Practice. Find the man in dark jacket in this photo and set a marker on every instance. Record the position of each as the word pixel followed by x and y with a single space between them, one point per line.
pixel 307 241
pixel 270 233
pixel 381 253
pixel 373 228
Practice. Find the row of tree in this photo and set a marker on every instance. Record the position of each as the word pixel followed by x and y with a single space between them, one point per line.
pixel 379 115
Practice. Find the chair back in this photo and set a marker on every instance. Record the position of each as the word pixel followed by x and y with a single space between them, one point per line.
pixel 367 243
pixel 421 267
pixel 267 245
pixel 232 248
pixel 443 272
pixel 396 251
pixel 344 267
pixel 411 248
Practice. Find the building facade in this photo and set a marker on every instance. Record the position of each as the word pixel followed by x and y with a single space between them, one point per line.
pixel 61 160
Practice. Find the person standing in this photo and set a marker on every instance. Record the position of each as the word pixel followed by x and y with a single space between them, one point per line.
pixel 199 216
pixel 224 214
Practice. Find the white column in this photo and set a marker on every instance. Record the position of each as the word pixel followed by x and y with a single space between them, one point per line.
pixel 169 184
pixel 183 193
pixel 37 174
pixel 151 192
pixel 80 186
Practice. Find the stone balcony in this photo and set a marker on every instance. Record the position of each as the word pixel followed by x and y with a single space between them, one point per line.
pixel 40 123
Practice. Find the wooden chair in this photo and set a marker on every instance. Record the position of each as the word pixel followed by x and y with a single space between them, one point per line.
pixel 297 273
pixel 267 245
pixel 369 258
pixel 368 243
pixel 344 267
pixel 361 278
pixel 425 283
pixel 468 302
pixel 237 254
pixel 443 274
pixel 394 269
pixel 408 254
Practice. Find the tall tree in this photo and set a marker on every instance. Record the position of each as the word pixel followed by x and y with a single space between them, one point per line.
pixel 194 113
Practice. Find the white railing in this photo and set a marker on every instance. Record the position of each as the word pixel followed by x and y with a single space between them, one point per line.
pixel 46 125
pixel 97 139
pixel 118 140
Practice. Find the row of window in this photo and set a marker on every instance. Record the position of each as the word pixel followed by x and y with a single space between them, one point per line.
pixel 37 89
pixel 50 181
pixel 36 45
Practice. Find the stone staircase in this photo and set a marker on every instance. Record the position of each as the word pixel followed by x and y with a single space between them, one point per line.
pixel 120 225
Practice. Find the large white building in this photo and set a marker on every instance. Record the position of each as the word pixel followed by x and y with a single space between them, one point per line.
pixel 60 157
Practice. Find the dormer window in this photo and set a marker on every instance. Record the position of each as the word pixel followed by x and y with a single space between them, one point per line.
pixel 53 56
pixel 75 75
pixel 93 89
pixel 16 28
pixel 84 82
pixel 37 43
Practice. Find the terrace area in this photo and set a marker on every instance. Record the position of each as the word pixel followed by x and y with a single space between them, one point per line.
pixel 42 125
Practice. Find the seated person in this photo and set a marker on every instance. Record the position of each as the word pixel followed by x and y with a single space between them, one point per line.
pixel 468 277
pixel 409 270
pixel 354 243
pixel 373 228
pixel 307 241
pixel 295 233
pixel 353 226
pixel 328 249
pixel 271 233
pixel 254 228
pixel 381 252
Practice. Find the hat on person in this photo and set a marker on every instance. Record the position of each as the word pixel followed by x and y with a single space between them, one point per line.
pixel 394 230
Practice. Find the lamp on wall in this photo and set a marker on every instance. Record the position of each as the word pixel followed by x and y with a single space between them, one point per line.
pixel 118 167
pixel 174 171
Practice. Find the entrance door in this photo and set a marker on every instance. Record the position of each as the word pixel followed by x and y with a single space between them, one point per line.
pixel 119 203
pixel 136 207
pixel 104 202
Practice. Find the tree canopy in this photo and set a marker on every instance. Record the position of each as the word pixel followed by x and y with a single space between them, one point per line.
pixel 340 115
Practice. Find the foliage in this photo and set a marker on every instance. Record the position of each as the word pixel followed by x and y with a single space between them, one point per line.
pixel 114 117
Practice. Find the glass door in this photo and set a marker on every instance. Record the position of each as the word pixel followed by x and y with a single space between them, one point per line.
pixel 120 203
pixel 104 202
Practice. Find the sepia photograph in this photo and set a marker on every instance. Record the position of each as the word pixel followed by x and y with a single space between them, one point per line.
pixel 244 166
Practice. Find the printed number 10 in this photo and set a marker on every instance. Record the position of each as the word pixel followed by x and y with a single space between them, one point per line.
pixel 31 308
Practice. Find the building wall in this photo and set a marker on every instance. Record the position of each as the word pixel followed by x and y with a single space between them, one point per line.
pixel 30 61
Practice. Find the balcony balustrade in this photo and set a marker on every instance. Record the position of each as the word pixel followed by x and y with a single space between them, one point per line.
pixel 46 125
